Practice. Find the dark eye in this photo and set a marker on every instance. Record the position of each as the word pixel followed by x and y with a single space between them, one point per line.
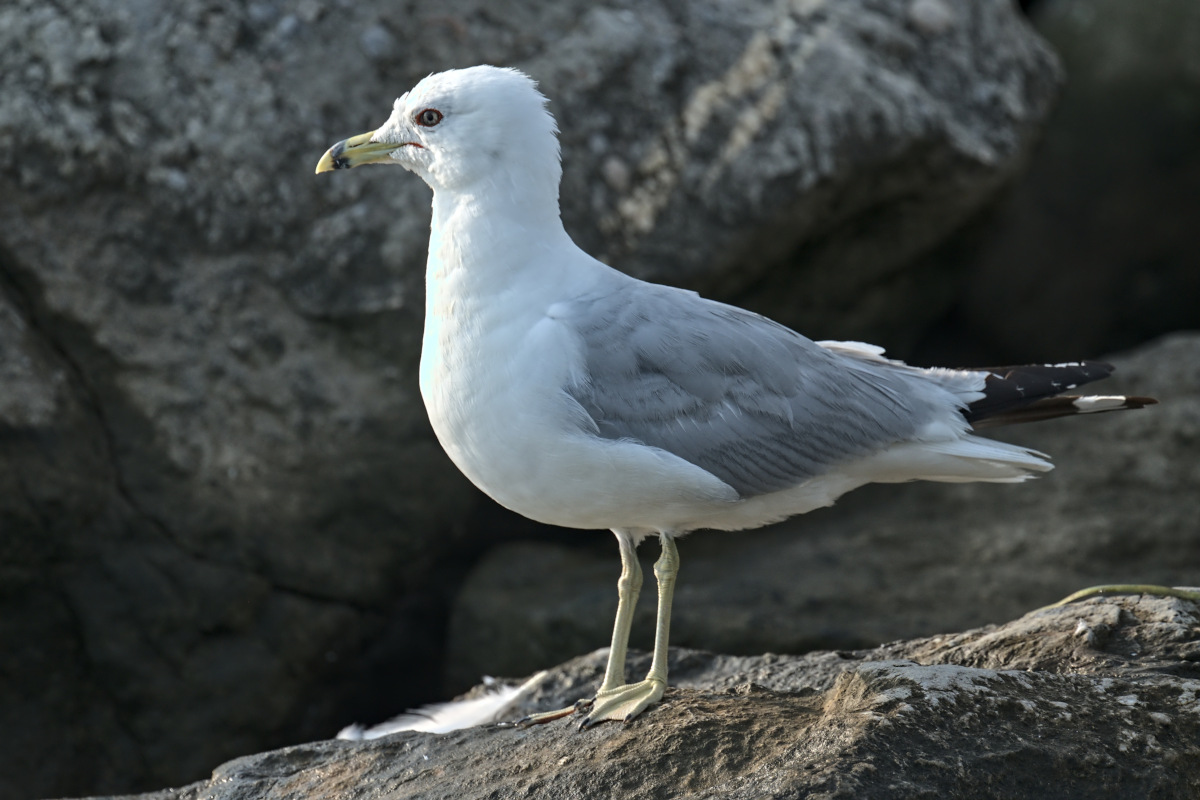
pixel 429 117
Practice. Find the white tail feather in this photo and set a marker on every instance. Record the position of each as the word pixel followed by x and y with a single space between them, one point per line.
pixel 955 461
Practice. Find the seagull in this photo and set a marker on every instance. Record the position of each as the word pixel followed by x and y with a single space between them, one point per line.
pixel 581 397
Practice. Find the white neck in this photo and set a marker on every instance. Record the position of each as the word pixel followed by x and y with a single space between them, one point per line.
pixel 500 227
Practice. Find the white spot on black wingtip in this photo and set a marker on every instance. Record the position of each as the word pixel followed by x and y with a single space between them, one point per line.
pixel 1092 403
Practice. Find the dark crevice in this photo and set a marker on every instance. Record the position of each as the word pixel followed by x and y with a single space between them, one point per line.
pixel 31 502
pixel 20 291
pixel 99 686
pixel 23 291
pixel 319 598
pixel 145 637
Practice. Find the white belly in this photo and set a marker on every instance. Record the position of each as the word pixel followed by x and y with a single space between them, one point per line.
pixel 498 406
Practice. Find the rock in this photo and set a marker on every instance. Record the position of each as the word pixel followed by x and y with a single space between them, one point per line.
pixel 225 521
pixel 887 562
pixel 1094 249
pixel 1029 709
pixel 888 148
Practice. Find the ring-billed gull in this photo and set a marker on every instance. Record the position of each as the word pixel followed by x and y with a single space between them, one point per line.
pixel 578 396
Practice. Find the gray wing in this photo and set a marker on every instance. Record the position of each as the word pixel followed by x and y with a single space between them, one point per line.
pixel 752 402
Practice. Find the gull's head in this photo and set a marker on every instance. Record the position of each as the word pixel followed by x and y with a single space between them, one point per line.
pixel 462 129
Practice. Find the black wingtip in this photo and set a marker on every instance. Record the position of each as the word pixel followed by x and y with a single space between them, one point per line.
pixel 1034 392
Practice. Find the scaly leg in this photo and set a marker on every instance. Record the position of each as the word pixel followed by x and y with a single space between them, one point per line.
pixel 629 586
pixel 626 702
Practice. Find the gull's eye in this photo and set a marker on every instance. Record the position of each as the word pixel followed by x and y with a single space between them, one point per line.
pixel 429 117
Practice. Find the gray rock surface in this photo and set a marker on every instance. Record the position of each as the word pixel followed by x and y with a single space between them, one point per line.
pixel 1096 243
pixel 225 523
pixel 887 562
pixel 1095 700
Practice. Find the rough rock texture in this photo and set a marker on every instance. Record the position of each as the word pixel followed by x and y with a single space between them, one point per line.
pixel 886 562
pixel 1095 700
pixel 1096 244
pixel 225 523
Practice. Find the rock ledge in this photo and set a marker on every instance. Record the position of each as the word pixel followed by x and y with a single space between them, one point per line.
pixel 1096 699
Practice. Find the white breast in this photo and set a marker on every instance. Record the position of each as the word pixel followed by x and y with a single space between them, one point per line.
pixel 494 365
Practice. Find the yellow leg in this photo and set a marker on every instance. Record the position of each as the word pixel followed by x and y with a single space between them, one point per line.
pixel 629 586
pixel 626 702
pixel 665 571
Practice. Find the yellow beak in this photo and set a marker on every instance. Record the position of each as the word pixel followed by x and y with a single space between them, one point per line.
pixel 355 151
